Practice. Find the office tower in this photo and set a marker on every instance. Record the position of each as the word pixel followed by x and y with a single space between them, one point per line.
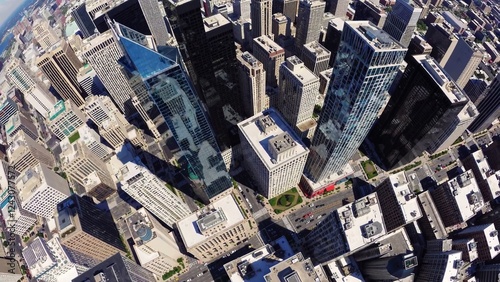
pixel 486 178
pixel 155 245
pixel 169 88
pixel 280 26
pixel 398 202
pixel 24 153
pixel 468 247
pixel 475 87
pixel 458 26
pixel 293 269
pixel 128 13
pixel 271 55
pixel 368 11
pixel 442 40
pixel 155 21
pixel 348 229
pixel 41 189
pixel 34 92
pixel 44 34
pixel 19 219
pixel 488 105
pixel 217 229
pixel 440 266
pixel 402 21
pixel 49 261
pixel 60 64
pixel 355 97
pixel 463 61
pixel 390 268
pixel 89 81
pixel 261 13
pixel 333 36
pixel 85 229
pixel 83 21
pixel 487 272
pixel 152 193
pixel 89 138
pixel 10 271
pixel 418 46
pixel 290 8
pixel 79 163
pixel 486 238
pixel 309 21
pixel 102 53
pixel 253 84
pixel 116 268
pixel 315 57
pixel 19 122
pixel 274 155
pixel 64 119
pixel 420 112
pixel 430 223
pixel 458 199
pixel 8 108
pixel 242 9
pixel 324 83
pixel 298 88
pixel 337 7
pixel 111 123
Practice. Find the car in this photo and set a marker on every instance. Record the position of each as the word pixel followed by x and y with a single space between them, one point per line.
pixel 319 216
pixel 299 226
pixel 323 214
pixel 311 205
pixel 308 222
pixel 239 188
pixel 199 274
pixel 189 280
pixel 233 251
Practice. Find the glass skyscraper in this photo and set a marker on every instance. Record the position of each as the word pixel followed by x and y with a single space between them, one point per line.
pixel 366 64
pixel 170 89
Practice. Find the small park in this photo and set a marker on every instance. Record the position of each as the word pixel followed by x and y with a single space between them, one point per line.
pixel 285 201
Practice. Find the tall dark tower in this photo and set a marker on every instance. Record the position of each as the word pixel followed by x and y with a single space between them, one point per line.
pixel 419 114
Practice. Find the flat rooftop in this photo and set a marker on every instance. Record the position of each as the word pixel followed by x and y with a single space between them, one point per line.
pixel 295 269
pixel 215 21
pixel 430 211
pixel 465 192
pixel 299 70
pixel 490 234
pixel 362 222
pixel 446 83
pixel 188 227
pixel 376 37
pixel 260 130
pixel 345 269
pixel 407 200
pixel 267 44
pixel 316 49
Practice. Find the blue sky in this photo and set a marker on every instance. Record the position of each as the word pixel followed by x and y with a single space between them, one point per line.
pixel 7 7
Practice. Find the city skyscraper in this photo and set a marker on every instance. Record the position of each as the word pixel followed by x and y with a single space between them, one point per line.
pixel 170 88
pixel 366 10
pixel 83 20
pixel 337 7
pixel 423 106
pixel 44 34
pixel 61 66
pixel 309 20
pixel 271 55
pixel 261 12
pixel 488 105
pixel 402 21
pixel 155 21
pixel 440 36
pixel 315 57
pixel 253 84
pixel 463 62
pixel 356 95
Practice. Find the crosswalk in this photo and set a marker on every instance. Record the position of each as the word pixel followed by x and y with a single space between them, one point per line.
pixel 259 213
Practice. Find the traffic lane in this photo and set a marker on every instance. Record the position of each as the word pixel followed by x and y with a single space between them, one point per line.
pixel 331 203
pixel 251 195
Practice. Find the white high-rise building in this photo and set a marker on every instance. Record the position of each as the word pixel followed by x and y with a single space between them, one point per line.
pixel 487 179
pixel 89 81
pixel 365 67
pixel 274 154
pixel 41 189
pixel 24 153
pixel 402 21
pixel 155 245
pixel 152 193
pixel 65 119
pixel 49 261
pixel 261 13
pixel 253 84
pixel 92 140
pixel 44 34
pixel 298 88
pixel 20 220
pixel 271 55
pixel 155 21
pixel 309 20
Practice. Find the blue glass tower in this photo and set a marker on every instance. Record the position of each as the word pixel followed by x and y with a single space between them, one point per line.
pixel 366 64
pixel 170 89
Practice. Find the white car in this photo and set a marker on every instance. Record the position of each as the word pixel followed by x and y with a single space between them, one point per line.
pixel 319 216
pixel 199 275
pixel 311 205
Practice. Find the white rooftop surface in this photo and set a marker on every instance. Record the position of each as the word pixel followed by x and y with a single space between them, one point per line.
pixel 348 170
pixel 116 162
pixel 268 44
pixel 450 270
pixel 376 37
pixel 316 48
pixel 494 183
pixel 448 86
pixel 354 235
pixel 190 234
pixel 336 270
pixel 466 209
pixel 406 198
pixel 490 234
pixel 213 22
pixel 299 70
pixel 260 141
pixel 261 267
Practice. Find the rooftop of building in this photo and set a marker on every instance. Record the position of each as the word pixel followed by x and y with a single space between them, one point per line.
pixel 260 130
pixel 268 45
pixel 279 17
pixel 489 233
pixel 345 269
pixel 13 122
pixel 299 70
pixel 452 260
pixel 447 84
pixel 39 258
pixel 361 221
pixel 326 74
pixel 59 108
pixel 376 37
pixel 466 193
pixel 37 177
pixel 83 71
pixel 253 266
pixel 248 58
pixel 6 267
pixel 405 196
pixel 429 210
pixel 20 142
pixel 481 163
pixel 189 227
pixel 215 21
pixel 317 49
pixel 295 269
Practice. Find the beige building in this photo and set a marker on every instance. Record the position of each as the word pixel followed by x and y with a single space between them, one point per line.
pixel 61 65
pixel 216 229
pixel 296 268
pixel 24 153
pixel 154 246
pixel 64 119
pixel 271 55
pixel 85 229
pixel 280 26
pixel 8 272
pixel 44 34
pixel 253 84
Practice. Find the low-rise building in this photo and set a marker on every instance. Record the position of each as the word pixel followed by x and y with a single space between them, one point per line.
pixel 216 229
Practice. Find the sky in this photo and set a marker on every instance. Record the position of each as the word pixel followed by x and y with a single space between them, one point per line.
pixel 7 7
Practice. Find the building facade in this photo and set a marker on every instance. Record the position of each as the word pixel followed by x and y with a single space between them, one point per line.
pixel 271 55
pixel 488 105
pixel 65 119
pixel 261 12
pixel 309 21
pixel 253 84
pixel 402 21
pixel 24 153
